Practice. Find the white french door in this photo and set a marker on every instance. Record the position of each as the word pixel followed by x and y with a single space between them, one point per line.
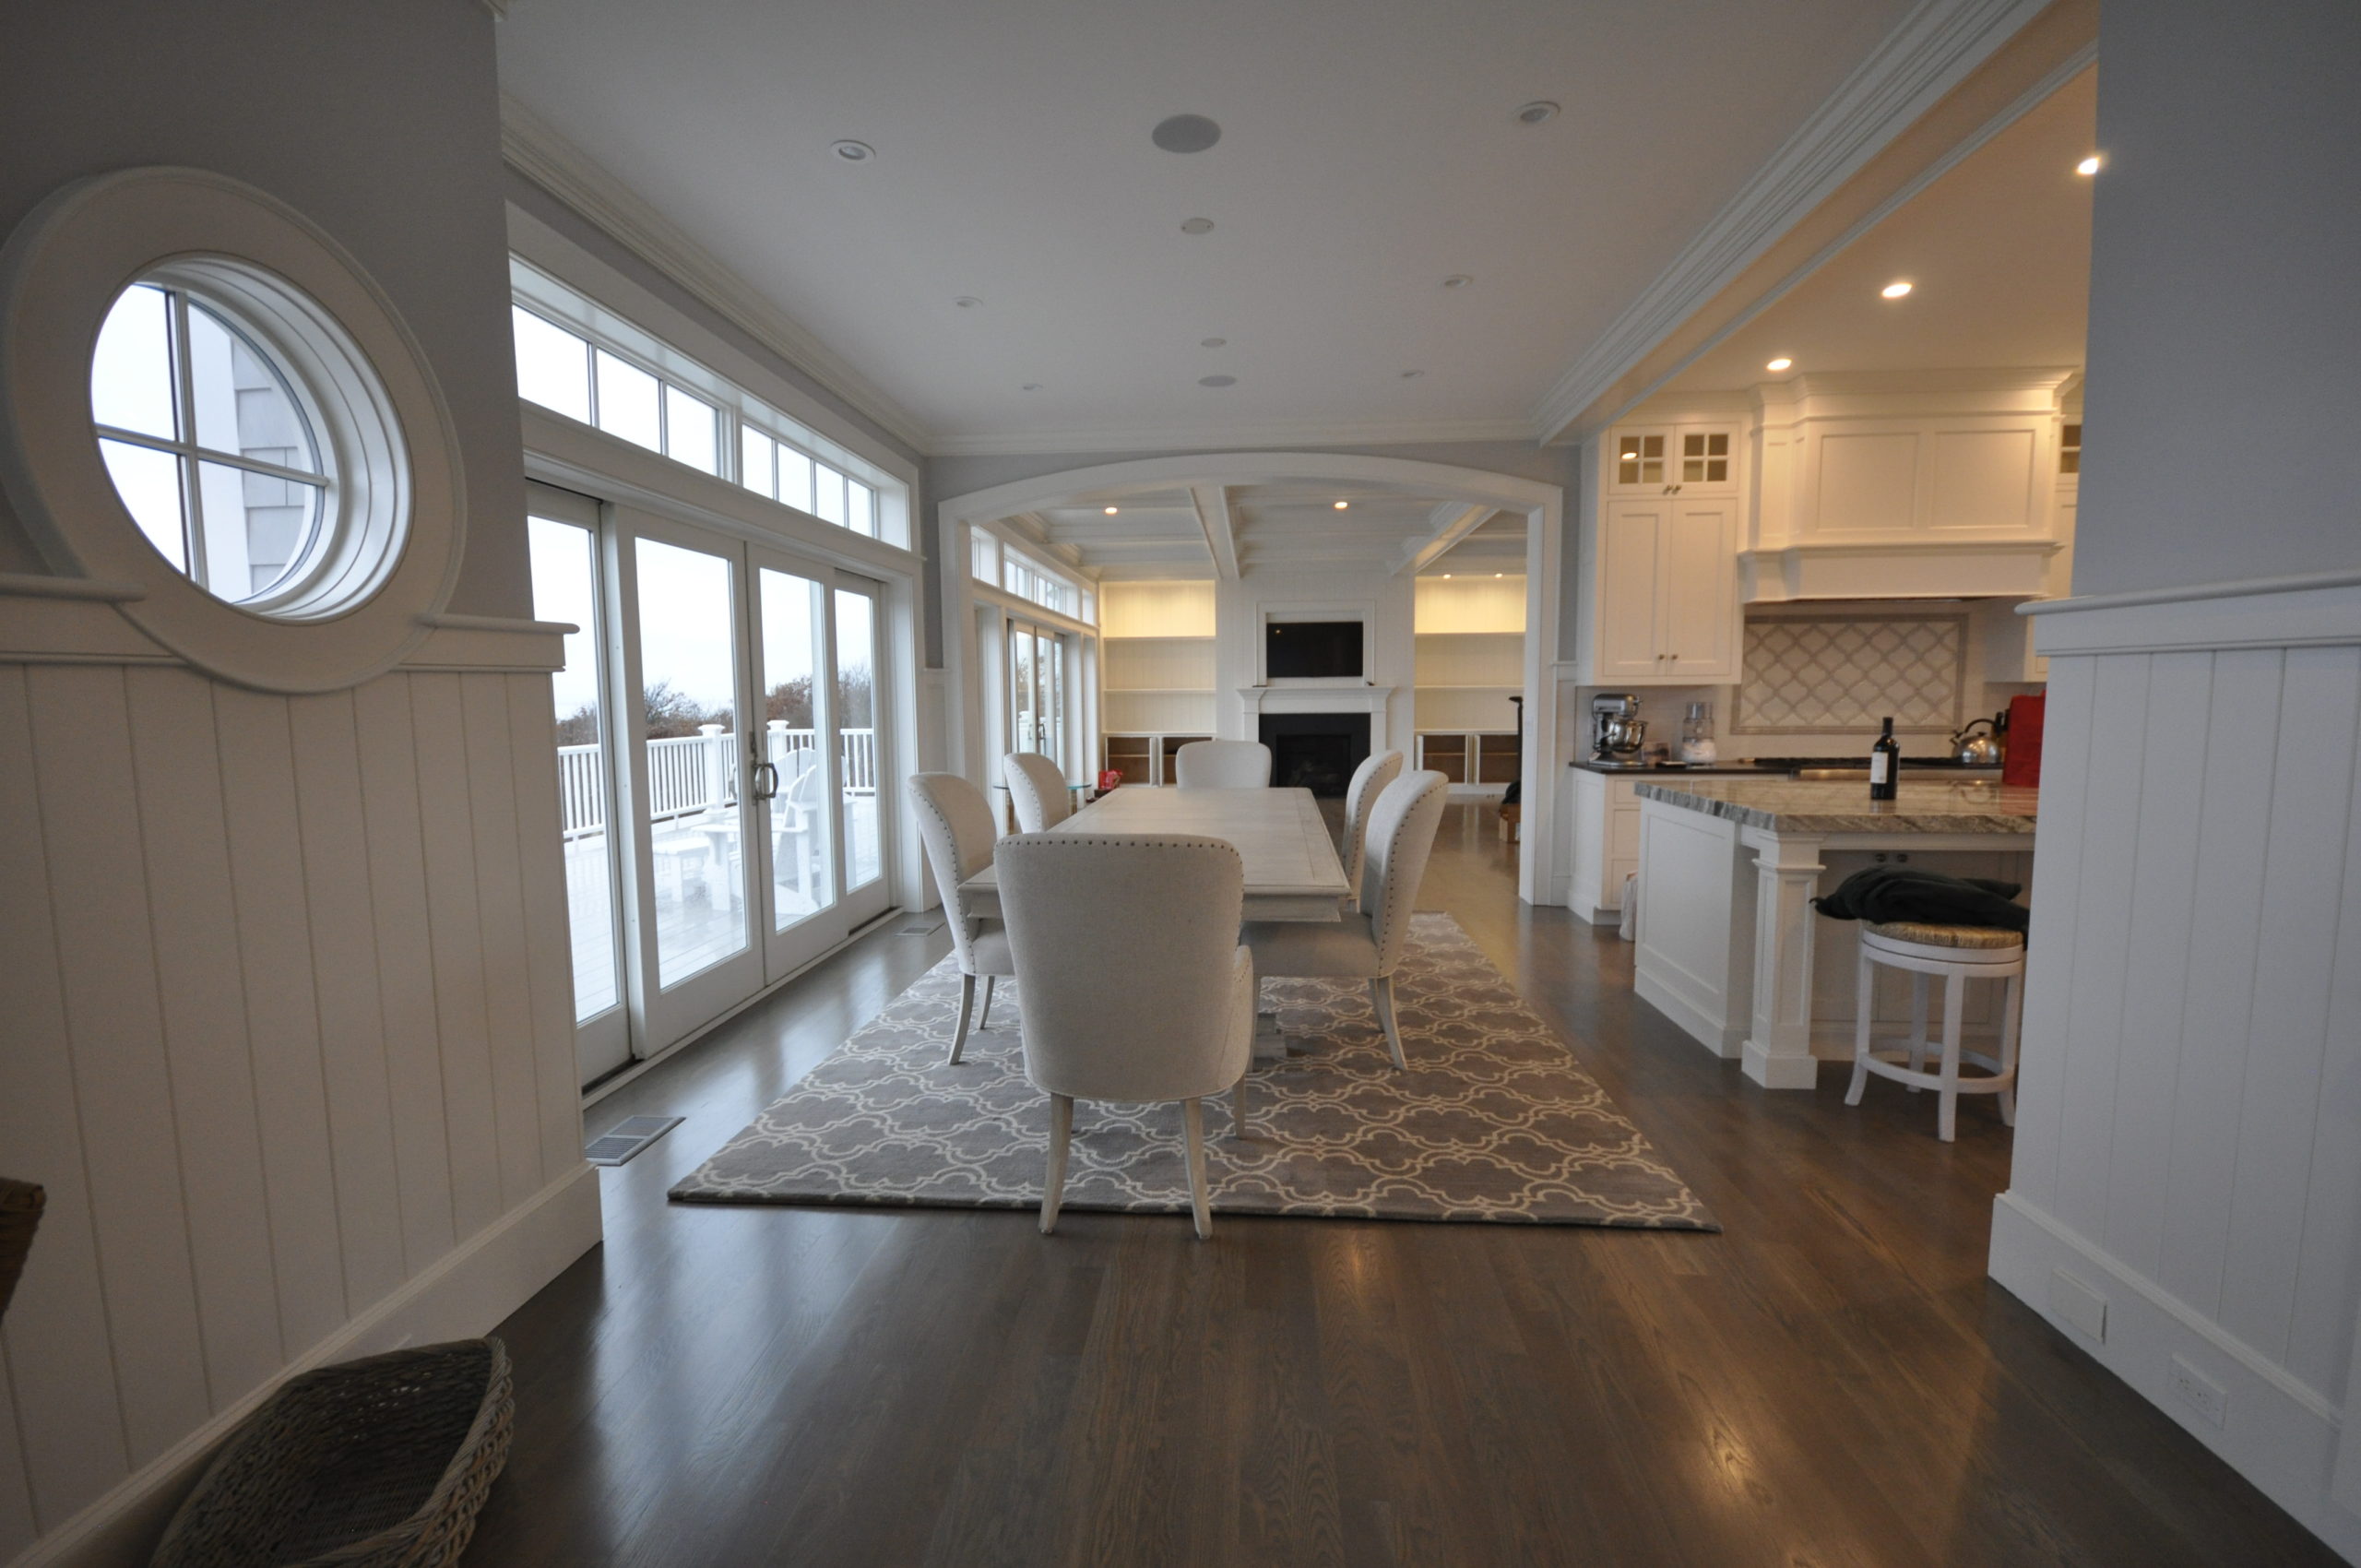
pixel 721 758
pixel 1036 687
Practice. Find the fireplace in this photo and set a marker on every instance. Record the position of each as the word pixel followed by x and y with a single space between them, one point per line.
pixel 1315 751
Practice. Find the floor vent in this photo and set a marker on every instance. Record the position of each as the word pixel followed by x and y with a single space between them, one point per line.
pixel 627 1137
pixel 925 925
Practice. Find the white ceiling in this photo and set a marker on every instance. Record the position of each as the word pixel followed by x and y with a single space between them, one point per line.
pixel 1369 153
pixel 1275 526
pixel 1997 253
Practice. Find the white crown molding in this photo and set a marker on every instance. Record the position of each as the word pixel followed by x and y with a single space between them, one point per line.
pixel 1936 47
pixel 1168 438
pixel 535 149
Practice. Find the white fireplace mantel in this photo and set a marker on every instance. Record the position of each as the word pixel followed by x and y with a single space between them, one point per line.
pixel 1313 697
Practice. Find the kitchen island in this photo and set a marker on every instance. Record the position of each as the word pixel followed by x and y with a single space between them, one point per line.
pixel 1729 946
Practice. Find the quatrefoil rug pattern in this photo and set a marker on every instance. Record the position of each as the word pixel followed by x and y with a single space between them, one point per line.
pixel 1494 1121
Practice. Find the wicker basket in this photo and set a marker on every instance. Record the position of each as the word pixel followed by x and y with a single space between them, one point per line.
pixel 379 1463
pixel 20 1207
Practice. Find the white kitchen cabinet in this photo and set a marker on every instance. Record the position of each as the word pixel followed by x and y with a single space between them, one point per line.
pixel 1673 459
pixel 1605 846
pixel 1667 592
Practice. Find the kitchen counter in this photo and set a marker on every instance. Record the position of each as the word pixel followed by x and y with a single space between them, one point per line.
pixel 1729 945
pixel 1842 806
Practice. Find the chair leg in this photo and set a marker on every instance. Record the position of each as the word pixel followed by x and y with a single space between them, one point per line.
pixel 1053 1180
pixel 984 1018
pixel 1866 998
pixel 2013 1003
pixel 1918 1024
pixel 1192 1112
pixel 1381 994
pixel 1954 996
pixel 967 1004
pixel 1238 1107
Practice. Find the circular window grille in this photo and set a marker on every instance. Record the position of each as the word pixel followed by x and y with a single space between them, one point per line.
pixel 208 407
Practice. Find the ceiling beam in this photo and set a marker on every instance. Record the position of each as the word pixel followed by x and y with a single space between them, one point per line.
pixel 1449 523
pixel 1221 533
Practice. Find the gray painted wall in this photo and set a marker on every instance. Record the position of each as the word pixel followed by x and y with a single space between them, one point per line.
pixel 2223 421
pixel 377 119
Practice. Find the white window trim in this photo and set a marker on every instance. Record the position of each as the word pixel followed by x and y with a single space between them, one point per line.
pixel 684 349
pixel 60 273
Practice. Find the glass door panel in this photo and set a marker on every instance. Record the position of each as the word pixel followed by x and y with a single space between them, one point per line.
pixel 688 659
pixel 565 588
pixel 792 768
pixel 859 744
pixel 1023 714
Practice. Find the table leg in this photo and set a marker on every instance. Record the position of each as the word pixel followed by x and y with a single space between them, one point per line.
pixel 1778 1046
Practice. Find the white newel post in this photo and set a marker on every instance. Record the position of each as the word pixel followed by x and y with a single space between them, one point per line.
pixel 717 761
pixel 1778 1046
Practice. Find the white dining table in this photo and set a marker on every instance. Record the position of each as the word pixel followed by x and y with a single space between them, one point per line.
pixel 1292 871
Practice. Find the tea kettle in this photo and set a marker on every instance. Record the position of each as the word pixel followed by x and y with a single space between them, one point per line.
pixel 1972 750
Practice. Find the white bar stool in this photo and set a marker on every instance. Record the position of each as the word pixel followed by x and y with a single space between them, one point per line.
pixel 1959 954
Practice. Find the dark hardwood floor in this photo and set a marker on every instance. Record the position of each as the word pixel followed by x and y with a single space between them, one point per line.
pixel 1831 1381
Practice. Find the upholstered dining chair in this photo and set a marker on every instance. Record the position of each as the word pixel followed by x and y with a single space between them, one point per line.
pixel 1037 787
pixel 1136 987
pixel 956 824
pixel 1369 779
pixel 1222 764
pixel 1367 944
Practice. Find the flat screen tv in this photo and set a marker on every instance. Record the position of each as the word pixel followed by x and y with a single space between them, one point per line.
pixel 1296 649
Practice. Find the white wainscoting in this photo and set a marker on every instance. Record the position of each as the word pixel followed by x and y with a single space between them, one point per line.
pixel 2188 1134
pixel 286 1030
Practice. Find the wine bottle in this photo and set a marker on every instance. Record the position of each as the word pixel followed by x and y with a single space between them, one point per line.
pixel 1885 765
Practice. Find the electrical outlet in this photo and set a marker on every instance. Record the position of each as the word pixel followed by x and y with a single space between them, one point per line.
pixel 2077 1305
pixel 2200 1393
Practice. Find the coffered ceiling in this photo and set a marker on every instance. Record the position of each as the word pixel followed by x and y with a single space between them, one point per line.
pixel 1370 151
pixel 1294 525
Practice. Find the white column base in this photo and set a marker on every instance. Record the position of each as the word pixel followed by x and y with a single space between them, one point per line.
pixel 1779 1072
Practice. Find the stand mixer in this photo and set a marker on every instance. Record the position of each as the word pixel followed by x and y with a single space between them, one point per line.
pixel 1616 730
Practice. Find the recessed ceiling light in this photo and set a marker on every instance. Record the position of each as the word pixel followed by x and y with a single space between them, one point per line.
pixel 1342 504
pixel 966 302
pixel 1457 280
pixel 1216 381
pixel 1446 576
pixel 1211 342
pixel 1197 226
pixel 2088 166
pixel 1185 133
pixel 1782 363
pixel 1030 386
pixel 1111 511
pixel 1500 574
pixel 1895 290
pixel 853 151
pixel 1412 374
pixel 1539 112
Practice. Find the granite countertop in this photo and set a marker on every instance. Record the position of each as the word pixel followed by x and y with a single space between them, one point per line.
pixel 1795 805
pixel 1675 769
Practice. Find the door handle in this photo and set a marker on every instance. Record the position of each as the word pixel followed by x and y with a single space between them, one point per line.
pixel 766 781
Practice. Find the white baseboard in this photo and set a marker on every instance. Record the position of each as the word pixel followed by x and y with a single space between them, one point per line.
pixel 1666 998
pixel 461 1294
pixel 2276 1430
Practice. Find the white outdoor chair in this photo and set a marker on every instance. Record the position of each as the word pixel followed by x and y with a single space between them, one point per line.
pixel 956 824
pixel 1037 789
pixel 1135 986
pixel 1222 764
pixel 1369 780
pixel 796 824
pixel 1368 944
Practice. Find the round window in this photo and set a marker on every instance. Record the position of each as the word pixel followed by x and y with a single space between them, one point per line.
pixel 212 419
pixel 208 444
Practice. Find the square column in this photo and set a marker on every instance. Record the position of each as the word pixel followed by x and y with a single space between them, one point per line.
pixel 1777 1053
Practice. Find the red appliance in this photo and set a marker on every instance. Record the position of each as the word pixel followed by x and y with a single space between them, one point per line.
pixel 2021 764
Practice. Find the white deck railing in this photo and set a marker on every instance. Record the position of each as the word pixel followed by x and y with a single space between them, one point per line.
pixel 688 774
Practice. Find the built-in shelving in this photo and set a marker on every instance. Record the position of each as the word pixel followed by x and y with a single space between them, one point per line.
pixel 1157 674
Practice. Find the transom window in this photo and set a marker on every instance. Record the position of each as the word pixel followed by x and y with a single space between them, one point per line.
pixel 608 373
pixel 209 442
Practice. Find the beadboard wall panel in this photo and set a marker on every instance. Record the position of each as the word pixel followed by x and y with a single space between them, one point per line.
pixel 289 1024
pixel 2188 1135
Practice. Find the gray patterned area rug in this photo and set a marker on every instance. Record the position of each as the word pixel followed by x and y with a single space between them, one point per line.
pixel 1494 1121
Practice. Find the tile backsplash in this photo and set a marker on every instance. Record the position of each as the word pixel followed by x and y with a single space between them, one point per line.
pixel 1812 672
